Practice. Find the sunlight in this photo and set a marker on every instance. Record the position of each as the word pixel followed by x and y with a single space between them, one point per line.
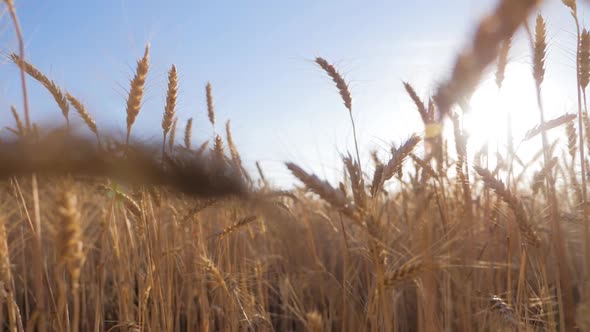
pixel 487 121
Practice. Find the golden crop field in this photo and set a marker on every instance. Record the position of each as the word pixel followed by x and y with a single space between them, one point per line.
pixel 102 233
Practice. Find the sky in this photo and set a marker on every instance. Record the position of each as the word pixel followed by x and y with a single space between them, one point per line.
pixel 258 56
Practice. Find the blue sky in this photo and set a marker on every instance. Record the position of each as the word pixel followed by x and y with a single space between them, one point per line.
pixel 258 56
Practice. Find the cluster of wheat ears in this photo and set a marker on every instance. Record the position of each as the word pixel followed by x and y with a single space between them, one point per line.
pixel 106 234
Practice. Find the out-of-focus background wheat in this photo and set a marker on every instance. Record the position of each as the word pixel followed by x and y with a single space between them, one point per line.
pixel 454 228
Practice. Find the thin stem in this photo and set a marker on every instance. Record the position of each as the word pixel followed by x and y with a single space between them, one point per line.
pixel 21 51
pixel 358 157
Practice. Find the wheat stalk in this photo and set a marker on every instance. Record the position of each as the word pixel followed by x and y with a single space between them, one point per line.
pixel 21 51
pixel 7 282
pixel 172 139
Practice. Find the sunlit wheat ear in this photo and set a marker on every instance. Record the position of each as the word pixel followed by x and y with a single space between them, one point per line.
pixel 502 61
pixel 137 90
pixel 50 85
pixel 171 95
pixel 171 140
pixel 584 59
pixel 86 117
pixel 210 108
pixel 19 124
pixel 314 321
pixel 418 102
pixel 548 125
pixel 473 60
pixel 398 158
pixel 337 78
pixel 584 77
pixel 540 50
pixel 188 131
pixel 356 180
pixel 322 188
pixel 515 204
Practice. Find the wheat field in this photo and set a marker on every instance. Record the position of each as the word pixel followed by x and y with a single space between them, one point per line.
pixel 101 233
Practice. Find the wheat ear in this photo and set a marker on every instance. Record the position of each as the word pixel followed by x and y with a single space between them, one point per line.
pixel 169 108
pixel 188 131
pixel 418 102
pixel 232 228
pixel 50 85
pixel 210 108
pixel 322 188
pixel 342 87
pixel 233 150
pixel 71 254
pixel 137 90
pixel 19 124
pixel 548 125
pixel 86 117
pixel 398 158
pixel 513 202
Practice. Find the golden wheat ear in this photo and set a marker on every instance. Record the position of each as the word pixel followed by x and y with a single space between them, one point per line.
pixel 61 153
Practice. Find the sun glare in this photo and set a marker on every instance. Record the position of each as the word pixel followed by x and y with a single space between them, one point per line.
pixel 490 108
